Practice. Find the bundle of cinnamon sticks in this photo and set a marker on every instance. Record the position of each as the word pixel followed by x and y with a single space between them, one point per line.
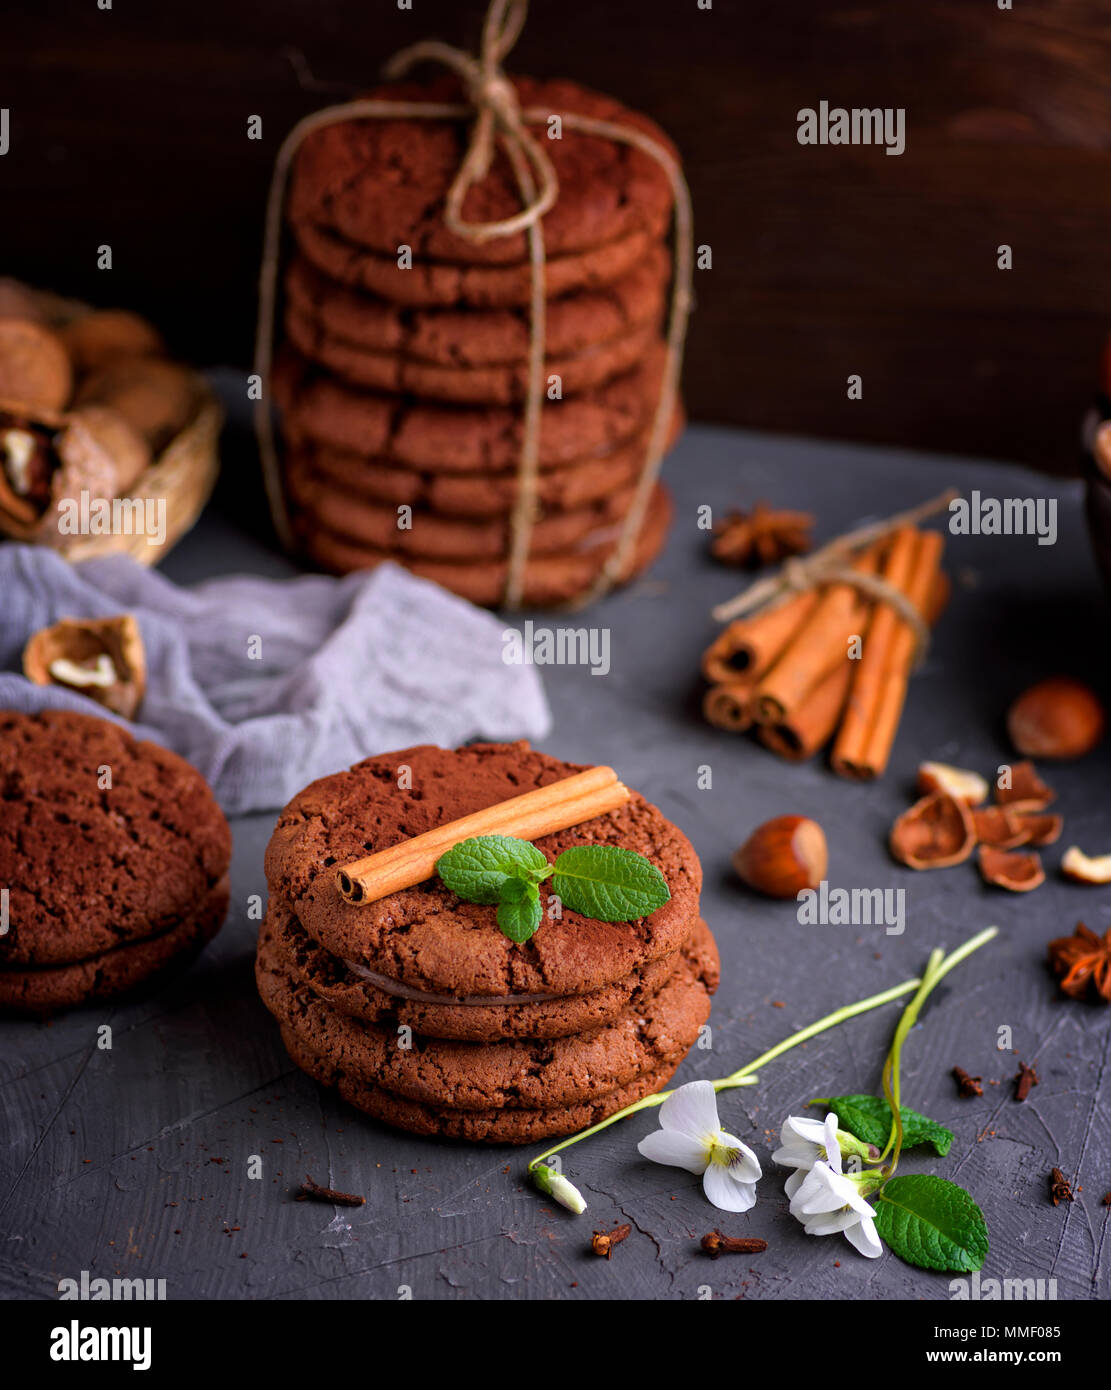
pixel 830 663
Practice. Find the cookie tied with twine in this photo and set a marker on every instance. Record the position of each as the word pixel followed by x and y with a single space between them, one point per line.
pixel 498 122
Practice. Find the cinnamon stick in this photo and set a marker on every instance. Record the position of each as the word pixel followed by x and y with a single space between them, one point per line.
pixel 811 725
pixel 819 647
pixel 530 816
pixel 728 706
pixel 750 645
pixel 864 742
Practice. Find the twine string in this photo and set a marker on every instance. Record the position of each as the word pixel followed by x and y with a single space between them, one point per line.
pixel 799 578
pixel 830 565
pixel 497 121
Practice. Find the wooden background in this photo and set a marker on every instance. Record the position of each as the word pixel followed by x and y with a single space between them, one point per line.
pixel 128 126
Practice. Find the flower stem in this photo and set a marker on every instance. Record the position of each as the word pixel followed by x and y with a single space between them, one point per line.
pixel 744 1076
pixel 937 967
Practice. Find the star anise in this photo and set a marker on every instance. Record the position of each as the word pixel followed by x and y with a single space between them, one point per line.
pixel 1082 963
pixel 761 537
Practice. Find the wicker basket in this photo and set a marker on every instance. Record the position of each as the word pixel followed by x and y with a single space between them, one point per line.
pixel 183 474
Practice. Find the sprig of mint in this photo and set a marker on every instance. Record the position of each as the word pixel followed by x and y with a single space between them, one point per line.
pixel 931 1222
pixel 869 1118
pixel 600 881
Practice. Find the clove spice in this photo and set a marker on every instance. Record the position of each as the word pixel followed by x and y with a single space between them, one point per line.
pixel 603 1242
pixel 967 1085
pixel 1026 1078
pixel 311 1191
pixel 1059 1188
pixel 715 1243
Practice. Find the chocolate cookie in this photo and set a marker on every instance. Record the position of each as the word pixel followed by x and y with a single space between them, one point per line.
pixel 317 408
pixel 520 1073
pixel 475 494
pixel 516 1126
pixel 104 840
pixel 431 536
pixel 44 990
pixel 428 938
pixel 486 385
pixel 438 284
pixel 382 183
pixel 549 579
pixel 377 999
pixel 473 337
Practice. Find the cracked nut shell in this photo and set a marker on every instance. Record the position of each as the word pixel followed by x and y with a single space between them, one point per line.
pixel 1027 791
pixel 1018 873
pixel 934 833
pixel 82 643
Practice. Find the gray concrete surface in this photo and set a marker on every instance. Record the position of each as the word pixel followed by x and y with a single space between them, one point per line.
pixel 134 1161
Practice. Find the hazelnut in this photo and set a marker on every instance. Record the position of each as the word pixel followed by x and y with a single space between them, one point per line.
pixel 935 833
pixel 966 786
pixel 1057 718
pixel 101 658
pixel 783 856
pixel 1027 791
pixel 1018 873
pixel 1082 869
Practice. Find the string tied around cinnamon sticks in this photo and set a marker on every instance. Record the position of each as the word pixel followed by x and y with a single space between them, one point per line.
pixel 498 121
pixel 832 565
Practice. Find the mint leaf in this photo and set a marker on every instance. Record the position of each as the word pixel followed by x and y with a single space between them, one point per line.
pixel 869 1118
pixel 519 911
pixel 608 884
pixel 478 868
pixel 932 1223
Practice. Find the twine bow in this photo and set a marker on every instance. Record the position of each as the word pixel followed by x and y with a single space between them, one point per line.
pixel 497 120
pixel 832 565
pixel 498 117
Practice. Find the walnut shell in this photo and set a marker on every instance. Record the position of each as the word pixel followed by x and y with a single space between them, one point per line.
pixel 77 460
pixel 82 643
pixel 34 365
pixel 19 301
pixel 156 397
pixel 105 335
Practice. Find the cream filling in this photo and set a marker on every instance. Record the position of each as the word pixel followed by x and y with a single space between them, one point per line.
pixel 103 674
pixel 420 996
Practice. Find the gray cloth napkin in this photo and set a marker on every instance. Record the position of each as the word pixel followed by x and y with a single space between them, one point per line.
pixel 345 668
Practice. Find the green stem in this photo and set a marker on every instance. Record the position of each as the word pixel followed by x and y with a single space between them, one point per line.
pixel 937 967
pixel 744 1076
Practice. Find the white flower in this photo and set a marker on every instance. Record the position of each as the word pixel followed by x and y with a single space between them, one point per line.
pixel 804 1141
pixel 690 1136
pixel 559 1188
pixel 826 1200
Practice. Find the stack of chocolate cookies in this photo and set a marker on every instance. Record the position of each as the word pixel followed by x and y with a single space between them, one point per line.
pixel 402 374
pixel 421 1013
pixel 113 861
